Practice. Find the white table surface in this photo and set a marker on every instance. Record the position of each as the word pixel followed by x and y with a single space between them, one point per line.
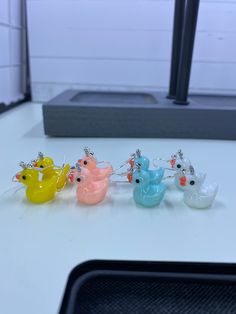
pixel 40 244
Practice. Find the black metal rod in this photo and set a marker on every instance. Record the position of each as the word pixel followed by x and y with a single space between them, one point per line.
pixel 185 62
pixel 176 45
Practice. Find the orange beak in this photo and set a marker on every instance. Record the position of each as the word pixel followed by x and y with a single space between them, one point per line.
pixel 131 162
pixel 80 161
pixel 172 162
pixel 182 181
pixel 35 164
pixel 71 177
pixel 17 176
pixel 129 177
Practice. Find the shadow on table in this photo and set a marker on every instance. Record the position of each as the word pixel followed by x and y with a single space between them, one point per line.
pixel 36 131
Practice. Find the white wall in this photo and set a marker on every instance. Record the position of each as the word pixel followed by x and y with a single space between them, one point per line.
pixel 12 51
pixel 125 44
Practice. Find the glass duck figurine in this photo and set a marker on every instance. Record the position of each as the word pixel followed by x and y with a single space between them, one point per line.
pixel 75 171
pixel 36 191
pixel 181 165
pixel 89 161
pixel 89 190
pixel 47 167
pixel 145 193
pixel 137 159
pixel 197 194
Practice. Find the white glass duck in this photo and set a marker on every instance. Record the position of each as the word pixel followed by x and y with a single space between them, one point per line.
pixel 181 165
pixel 197 194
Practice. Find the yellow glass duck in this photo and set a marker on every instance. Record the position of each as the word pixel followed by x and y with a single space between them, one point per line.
pixel 47 167
pixel 37 191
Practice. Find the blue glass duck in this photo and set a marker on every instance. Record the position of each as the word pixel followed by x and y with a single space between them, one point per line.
pixel 143 162
pixel 145 193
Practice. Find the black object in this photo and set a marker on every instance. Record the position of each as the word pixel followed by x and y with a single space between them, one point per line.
pixel 187 44
pixel 4 107
pixel 102 287
pixel 90 114
pixel 185 21
pixel 179 14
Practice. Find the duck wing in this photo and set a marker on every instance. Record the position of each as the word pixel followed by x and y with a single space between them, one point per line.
pixel 155 192
pixel 99 173
pixel 202 198
pixel 202 176
pixel 156 175
pixel 210 190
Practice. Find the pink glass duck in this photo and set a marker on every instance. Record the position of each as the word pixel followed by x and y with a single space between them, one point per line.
pixel 74 172
pixel 90 191
pixel 89 162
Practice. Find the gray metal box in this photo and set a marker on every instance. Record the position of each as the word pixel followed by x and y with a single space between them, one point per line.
pixel 111 114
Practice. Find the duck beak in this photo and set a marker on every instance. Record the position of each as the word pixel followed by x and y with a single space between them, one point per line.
pixel 80 161
pixel 182 181
pixel 130 177
pixel 172 162
pixel 71 177
pixel 36 164
pixel 131 162
pixel 16 177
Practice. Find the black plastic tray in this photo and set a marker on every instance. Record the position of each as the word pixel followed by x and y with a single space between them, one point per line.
pixel 150 287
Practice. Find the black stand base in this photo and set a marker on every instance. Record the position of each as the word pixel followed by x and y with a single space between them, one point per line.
pixel 170 96
pixel 179 102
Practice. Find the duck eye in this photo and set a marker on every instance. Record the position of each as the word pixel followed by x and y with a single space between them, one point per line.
pixel 85 162
pixel 137 180
pixel 192 182
pixel 41 166
pixel 78 179
pixel 24 177
pixel 139 164
pixel 178 166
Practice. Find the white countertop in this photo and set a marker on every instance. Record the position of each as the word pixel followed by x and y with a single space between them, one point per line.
pixel 40 244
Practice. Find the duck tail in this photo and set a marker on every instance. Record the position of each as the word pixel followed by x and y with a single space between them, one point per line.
pixel 62 177
pixel 110 170
pixel 216 188
pixel 161 172
pixel 65 169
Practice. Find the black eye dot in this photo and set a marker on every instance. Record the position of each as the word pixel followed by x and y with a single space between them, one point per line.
pixel 137 180
pixel 139 165
pixel 78 179
pixel 41 166
pixel 192 182
pixel 178 166
pixel 24 177
pixel 85 162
